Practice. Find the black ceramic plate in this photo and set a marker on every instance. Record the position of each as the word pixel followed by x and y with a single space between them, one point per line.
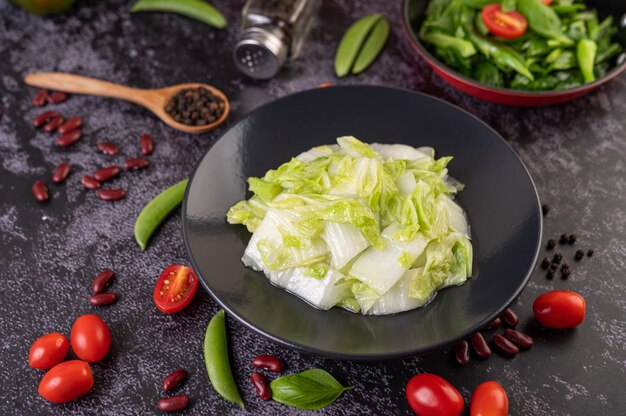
pixel 499 197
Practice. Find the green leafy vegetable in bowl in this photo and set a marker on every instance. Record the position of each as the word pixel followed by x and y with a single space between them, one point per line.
pixel 531 45
pixel 371 228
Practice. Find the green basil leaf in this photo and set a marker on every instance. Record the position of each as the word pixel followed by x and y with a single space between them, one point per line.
pixel 309 390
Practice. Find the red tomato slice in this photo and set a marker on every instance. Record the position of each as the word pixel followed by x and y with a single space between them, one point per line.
pixel 175 288
pixel 509 25
pixel 489 399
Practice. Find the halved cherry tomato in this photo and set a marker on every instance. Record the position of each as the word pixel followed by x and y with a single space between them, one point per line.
pixel 489 399
pixel 66 381
pixel 90 338
pixel 431 395
pixel 175 288
pixel 560 309
pixel 48 350
pixel 509 25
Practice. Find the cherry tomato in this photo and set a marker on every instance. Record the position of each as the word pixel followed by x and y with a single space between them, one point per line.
pixel 489 399
pixel 560 309
pixel 90 338
pixel 547 2
pixel 48 350
pixel 431 395
pixel 66 381
pixel 175 288
pixel 509 25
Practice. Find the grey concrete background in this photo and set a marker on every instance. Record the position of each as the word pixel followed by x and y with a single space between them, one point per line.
pixel 49 253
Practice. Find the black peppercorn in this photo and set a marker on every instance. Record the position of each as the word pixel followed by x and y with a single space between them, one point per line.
pixel 564 238
pixel 545 209
pixel 589 253
pixel 557 258
pixel 579 254
pixel 198 106
pixel 565 273
pixel 545 263
pixel 554 266
pixel 572 238
pixel 550 274
pixel 551 244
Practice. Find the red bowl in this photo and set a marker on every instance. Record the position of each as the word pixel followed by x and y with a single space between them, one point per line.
pixel 413 13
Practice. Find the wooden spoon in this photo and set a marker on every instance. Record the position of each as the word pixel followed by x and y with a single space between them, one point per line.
pixel 153 100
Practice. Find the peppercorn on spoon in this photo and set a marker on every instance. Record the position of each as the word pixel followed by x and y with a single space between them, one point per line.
pixel 154 100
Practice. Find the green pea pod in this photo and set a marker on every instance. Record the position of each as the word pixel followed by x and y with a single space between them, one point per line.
pixel 542 19
pixel 586 54
pixel 216 359
pixel 195 9
pixel 351 43
pixel 155 211
pixel 372 47
pixel 462 46
pixel 608 53
pixel 503 56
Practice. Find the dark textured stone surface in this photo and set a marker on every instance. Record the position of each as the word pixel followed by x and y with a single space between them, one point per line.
pixel 50 252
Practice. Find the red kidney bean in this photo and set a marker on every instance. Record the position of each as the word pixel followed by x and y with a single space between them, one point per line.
pixel 111 194
pixel 505 345
pixel 481 348
pixel 57 97
pixel 510 318
pixel 69 138
pixel 103 299
pixel 261 386
pixel 136 163
pixel 518 338
pixel 53 124
pixel 40 191
pixel 44 118
pixel 146 144
pixel 461 352
pixel 268 362
pixel 90 182
pixel 174 379
pixel 40 98
pixel 61 172
pixel 494 324
pixel 102 281
pixel 174 403
pixel 71 124
pixel 108 148
pixel 108 173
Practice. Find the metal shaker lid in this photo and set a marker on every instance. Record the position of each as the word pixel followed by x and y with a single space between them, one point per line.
pixel 261 52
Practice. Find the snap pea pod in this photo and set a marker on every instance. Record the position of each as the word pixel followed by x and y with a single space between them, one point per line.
pixel 372 47
pixel 609 52
pixel 567 9
pixel 462 46
pixel 502 56
pixel 351 43
pixel 195 9
pixel 216 359
pixel 155 211
pixel 542 19
pixel 586 54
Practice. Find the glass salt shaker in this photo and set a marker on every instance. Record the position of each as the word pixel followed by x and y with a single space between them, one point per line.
pixel 272 32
